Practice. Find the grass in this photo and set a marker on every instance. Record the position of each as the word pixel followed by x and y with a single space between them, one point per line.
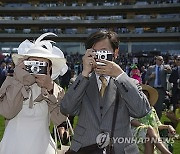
pixel 176 145
pixel 1 127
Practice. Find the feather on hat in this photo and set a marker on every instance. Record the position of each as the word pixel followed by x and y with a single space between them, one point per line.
pixel 44 49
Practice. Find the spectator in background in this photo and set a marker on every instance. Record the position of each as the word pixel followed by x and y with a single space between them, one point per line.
pixel 175 79
pixel 128 69
pixel 3 72
pixel 135 73
pixel 73 77
pixel 143 74
pixel 1 57
pixel 65 79
pixel 149 125
pixel 175 118
pixel 10 69
pixel 156 77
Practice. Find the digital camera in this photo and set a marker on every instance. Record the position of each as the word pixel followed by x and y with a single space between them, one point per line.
pixel 36 67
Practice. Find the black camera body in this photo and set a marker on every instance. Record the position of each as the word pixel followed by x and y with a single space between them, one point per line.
pixel 36 67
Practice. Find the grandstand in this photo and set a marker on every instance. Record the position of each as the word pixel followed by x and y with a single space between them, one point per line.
pixel 142 25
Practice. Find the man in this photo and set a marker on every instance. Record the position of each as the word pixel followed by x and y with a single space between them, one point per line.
pixel 95 109
pixel 156 77
pixel 143 74
pixel 175 79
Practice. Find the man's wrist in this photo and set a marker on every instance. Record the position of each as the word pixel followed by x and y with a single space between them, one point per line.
pixel 118 74
pixel 116 78
pixel 85 74
pixel 118 71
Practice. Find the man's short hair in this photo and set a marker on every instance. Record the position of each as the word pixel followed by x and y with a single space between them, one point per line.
pixel 101 35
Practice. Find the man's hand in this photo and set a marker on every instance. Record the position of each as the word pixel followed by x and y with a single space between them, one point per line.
pixel 152 76
pixel 110 68
pixel 44 81
pixel 89 62
pixel 167 68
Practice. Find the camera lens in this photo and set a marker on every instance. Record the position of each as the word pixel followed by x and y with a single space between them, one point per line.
pixel 103 57
pixel 35 69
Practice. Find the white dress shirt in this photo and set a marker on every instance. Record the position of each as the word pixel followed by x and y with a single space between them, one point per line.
pixel 107 78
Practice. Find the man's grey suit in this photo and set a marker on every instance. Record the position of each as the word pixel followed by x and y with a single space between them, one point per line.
pixel 163 75
pixel 83 99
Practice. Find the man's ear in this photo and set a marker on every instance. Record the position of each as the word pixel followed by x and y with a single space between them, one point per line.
pixel 116 53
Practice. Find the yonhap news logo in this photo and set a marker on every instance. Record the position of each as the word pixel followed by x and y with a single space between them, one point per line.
pixel 103 140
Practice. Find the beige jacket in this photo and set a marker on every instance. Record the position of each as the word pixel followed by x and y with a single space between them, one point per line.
pixel 16 89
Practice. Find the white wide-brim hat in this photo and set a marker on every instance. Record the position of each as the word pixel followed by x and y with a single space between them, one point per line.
pixel 44 49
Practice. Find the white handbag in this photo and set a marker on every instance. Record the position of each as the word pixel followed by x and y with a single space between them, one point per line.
pixel 64 148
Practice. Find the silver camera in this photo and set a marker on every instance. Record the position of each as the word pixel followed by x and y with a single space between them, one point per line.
pixel 36 67
pixel 104 55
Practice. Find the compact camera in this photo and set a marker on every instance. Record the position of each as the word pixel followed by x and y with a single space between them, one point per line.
pixel 36 67
pixel 103 55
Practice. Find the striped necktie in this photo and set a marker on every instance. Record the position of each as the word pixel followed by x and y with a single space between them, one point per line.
pixel 103 86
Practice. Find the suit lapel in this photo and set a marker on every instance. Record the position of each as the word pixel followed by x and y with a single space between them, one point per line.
pixel 109 96
pixel 93 95
pixel 154 69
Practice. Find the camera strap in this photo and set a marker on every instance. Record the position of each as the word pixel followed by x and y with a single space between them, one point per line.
pixel 110 150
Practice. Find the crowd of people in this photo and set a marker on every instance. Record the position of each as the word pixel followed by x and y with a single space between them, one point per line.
pixel 127 90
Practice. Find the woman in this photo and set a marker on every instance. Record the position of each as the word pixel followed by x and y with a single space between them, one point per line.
pixel 147 127
pixel 30 98
pixel 135 73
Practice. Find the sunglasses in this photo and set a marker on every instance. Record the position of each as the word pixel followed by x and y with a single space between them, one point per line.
pixel 160 59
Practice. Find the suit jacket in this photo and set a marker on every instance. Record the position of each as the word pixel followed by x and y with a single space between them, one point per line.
pixel 163 74
pixel 82 99
pixel 173 79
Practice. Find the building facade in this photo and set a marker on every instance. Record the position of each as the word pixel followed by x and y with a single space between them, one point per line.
pixel 142 26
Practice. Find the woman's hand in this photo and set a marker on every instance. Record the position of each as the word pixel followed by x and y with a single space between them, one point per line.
pixel 171 130
pixel 20 63
pixel 44 81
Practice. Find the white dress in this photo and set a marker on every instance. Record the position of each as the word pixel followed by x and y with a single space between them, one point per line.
pixel 28 132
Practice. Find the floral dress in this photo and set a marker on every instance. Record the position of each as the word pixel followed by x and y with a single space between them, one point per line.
pixel 151 119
